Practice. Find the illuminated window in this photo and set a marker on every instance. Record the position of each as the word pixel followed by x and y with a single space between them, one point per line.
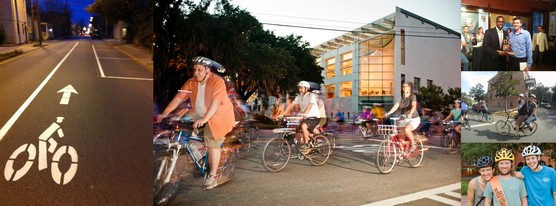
pixel 376 66
pixel 331 68
pixel 346 63
pixel 346 89
pixel 330 91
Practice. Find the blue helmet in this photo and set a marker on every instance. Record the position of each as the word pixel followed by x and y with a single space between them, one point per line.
pixel 484 161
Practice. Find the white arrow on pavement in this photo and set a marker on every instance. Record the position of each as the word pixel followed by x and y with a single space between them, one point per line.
pixel 67 94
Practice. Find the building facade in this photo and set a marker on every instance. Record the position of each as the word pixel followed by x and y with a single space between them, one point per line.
pixel 13 21
pixel 369 64
pixel 498 103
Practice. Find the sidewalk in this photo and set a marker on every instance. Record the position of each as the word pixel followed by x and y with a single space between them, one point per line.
pixel 27 47
pixel 139 54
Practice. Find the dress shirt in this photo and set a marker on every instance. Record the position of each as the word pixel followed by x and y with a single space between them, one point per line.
pixel 522 46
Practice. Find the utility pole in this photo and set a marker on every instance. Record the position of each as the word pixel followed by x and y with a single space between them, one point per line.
pixel 39 22
pixel 33 20
pixel 17 22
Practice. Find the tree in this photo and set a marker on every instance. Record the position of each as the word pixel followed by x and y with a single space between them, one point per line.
pixel 56 13
pixel 477 92
pixel 504 85
pixel 466 99
pixel 542 92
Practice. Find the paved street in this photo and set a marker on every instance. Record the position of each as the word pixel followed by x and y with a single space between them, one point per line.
pixel 486 132
pixel 74 117
pixel 350 177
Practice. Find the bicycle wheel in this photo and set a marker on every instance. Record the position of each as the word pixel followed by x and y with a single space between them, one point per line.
pixel 276 154
pixel 332 139
pixel 447 140
pixel 450 140
pixel 466 125
pixel 245 141
pixel 320 153
pixel 528 131
pixel 254 135
pixel 164 192
pixel 415 158
pixel 489 118
pixel 386 156
pixel 503 127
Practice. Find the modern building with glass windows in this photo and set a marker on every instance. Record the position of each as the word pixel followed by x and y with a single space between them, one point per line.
pixel 369 64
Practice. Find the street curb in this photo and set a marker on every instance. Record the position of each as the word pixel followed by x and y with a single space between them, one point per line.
pixel 145 65
pixel 23 54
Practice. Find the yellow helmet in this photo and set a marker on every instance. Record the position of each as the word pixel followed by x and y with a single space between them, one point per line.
pixel 504 154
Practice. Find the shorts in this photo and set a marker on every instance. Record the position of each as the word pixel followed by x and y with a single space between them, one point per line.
pixel 520 119
pixel 414 122
pixel 311 122
pixel 207 133
pixel 323 121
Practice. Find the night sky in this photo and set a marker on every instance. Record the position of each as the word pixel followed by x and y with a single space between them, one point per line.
pixel 77 8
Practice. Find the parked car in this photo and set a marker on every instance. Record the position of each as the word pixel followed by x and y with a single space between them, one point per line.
pixel 548 106
pixel 96 35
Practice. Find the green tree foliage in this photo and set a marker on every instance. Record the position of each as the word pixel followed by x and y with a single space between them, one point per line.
pixel 470 152
pixel 435 99
pixel 477 92
pixel 466 99
pixel 542 92
pixel 138 15
pixel 256 59
pixel 504 85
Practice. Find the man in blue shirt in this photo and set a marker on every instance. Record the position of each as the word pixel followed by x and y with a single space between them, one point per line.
pixel 521 45
pixel 540 181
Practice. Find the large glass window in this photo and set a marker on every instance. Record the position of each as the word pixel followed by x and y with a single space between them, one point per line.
pixel 330 68
pixel 376 66
pixel 330 91
pixel 346 89
pixel 346 63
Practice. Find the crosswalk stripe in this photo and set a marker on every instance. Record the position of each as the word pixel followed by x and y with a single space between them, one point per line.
pixel 417 195
pixel 453 194
pixel 444 200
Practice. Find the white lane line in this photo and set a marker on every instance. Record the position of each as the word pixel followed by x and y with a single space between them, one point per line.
pixel 98 63
pixel 482 125
pixel 115 58
pixel 416 196
pixel 453 194
pixel 25 104
pixel 445 200
pixel 129 78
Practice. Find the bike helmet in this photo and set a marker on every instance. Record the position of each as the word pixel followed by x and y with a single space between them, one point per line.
pixel 457 101
pixel 304 84
pixel 484 161
pixel 504 154
pixel 533 95
pixel 214 66
pixel 521 95
pixel 531 150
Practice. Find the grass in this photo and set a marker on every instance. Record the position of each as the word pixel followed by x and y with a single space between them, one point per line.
pixel 464 185
pixel 11 54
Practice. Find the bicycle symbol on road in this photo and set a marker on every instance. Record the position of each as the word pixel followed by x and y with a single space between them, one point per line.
pixel 45 138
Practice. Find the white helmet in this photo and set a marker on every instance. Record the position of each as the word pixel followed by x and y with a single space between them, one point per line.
pixel 304 84
pixel 521 95
pixel 531 150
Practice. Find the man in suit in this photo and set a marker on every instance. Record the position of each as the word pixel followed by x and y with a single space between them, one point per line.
pixel 494 58
pixel 540 44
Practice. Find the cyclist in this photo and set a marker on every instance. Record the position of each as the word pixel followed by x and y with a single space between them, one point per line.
pixel 540 181
pixel 366 117
pixel 528 114
pixel 476 187
pixel 408 106
pixel 322 111
pixel 511 189
pixel 455 113
pixel 483 108
pixel 309 109
pixel 210 105
pixel 377 112
pixel 464 110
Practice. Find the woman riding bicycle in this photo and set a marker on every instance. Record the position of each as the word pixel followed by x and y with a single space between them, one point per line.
pixel 455 113
pixel 365 117
pixel 408 106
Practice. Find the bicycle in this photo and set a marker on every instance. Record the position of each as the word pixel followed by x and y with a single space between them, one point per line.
pixel 45 138
pixel 394 149
pixel 452 139
pixel 278 151
pixel 171 147
pixel 465 124
pixel 252 130
pixel 363 131
pixel 485 116
pixel 504 127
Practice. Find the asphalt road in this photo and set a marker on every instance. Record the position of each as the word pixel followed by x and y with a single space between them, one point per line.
pixel 350 177
pixel 102 148
pixel 486 132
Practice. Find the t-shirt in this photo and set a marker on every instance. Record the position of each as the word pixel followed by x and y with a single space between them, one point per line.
pixel 366 115
pixel 513 188
pixel 405 106
pixel 304 101
pixel 456 114
pixel 540 186
pixel 521 109
pixel 200 102
pixel 463 106
pixel 532 106
pixel 378 112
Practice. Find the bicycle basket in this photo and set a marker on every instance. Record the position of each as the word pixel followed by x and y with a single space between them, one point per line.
pixel 387 129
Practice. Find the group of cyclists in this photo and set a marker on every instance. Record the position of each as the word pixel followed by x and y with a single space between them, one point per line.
pixel 534 184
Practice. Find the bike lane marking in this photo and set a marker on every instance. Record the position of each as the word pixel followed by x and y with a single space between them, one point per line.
pixel 482 125
pixel 114 77
pixel 420 195
pixel 27 102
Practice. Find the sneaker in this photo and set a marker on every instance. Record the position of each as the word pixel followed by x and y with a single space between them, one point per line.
pixel 210 182
pixel 531 127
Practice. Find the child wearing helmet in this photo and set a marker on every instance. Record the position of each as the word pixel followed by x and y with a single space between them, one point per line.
pixel 540 181
pixel 477 185
pixel 510 190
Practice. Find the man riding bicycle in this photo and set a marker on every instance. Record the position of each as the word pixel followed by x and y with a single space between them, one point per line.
pixel 529 114
pixel 309 109
pixel 210 105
